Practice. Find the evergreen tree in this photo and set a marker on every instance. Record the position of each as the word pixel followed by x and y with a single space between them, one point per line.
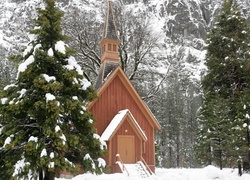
pixel 44 125
pixel 224 87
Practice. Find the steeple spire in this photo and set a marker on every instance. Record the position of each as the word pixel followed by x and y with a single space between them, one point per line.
pixel 109 44
pixel 110 41
pixel 110 30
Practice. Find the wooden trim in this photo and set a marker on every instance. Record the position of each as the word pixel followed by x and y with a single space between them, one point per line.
pixel 134 126
pixel 144 108
pixel 111 41
pixel 153 144
pixel 110 153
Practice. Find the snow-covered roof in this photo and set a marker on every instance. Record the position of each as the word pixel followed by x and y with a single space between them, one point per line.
pixel 117 121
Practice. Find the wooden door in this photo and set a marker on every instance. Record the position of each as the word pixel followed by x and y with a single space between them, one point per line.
pixel 126 149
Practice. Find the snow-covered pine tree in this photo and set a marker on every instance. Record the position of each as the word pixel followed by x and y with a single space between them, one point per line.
pixel 226 82
pixel 44 125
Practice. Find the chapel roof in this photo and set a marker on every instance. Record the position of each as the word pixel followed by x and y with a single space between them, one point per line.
pixel 106 69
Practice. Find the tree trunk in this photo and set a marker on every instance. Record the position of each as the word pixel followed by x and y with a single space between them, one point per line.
pixel 178 151
pixel 221 163
pixel 47 175
pixel 40 175
pixel 170 157
pixel 246 163
pixel 239 168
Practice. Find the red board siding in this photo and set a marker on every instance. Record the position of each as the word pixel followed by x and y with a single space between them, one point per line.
pixel 116 97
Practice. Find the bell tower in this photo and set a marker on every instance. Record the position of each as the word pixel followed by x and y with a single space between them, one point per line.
pixel 109 47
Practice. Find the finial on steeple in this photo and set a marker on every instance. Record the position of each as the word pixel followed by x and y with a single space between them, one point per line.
pixel 110 30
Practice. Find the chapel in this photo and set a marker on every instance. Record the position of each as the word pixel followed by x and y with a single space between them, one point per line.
pixel 123 120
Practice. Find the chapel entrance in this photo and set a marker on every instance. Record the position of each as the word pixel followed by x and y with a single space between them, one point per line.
pixel 126 149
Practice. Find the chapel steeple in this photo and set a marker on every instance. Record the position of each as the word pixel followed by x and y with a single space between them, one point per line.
pixel 110 41
pixel 109 47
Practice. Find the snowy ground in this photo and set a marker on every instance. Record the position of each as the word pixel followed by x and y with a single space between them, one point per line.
pixel 207 173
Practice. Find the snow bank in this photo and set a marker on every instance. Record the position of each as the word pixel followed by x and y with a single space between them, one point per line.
pixel 207 173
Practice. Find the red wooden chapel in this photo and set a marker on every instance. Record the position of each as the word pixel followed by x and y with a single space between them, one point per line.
pixel 123 120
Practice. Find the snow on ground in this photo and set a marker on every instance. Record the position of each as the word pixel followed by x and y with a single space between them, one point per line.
pixel 207 173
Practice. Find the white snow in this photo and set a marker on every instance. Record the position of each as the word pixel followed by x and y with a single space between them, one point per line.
pixel 12 101
pixel 72 64
pixel 52 155
pixel 57 128
pixel 87 157
pixel 63 138
pixel 3 100
pixel 7 141
pixel 23 66
pixel 85 84
pixel 66 160
pixel 9 86
pixel 75 98
pixel 113 125
pixel 49 78
pixel 207 173
pixel 50 52
pixel 32 138
pixel 19 166
pixel 43 153
pixel 22 92
pixel 101 162
pixel 103 143
pixel 27 50
pixel 38 46
pixel 90 120
pixel 60 47
pixel 51 165
pixel 49 97
pixel 84 108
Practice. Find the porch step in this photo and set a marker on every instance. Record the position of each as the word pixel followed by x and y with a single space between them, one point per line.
pixel 137 170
